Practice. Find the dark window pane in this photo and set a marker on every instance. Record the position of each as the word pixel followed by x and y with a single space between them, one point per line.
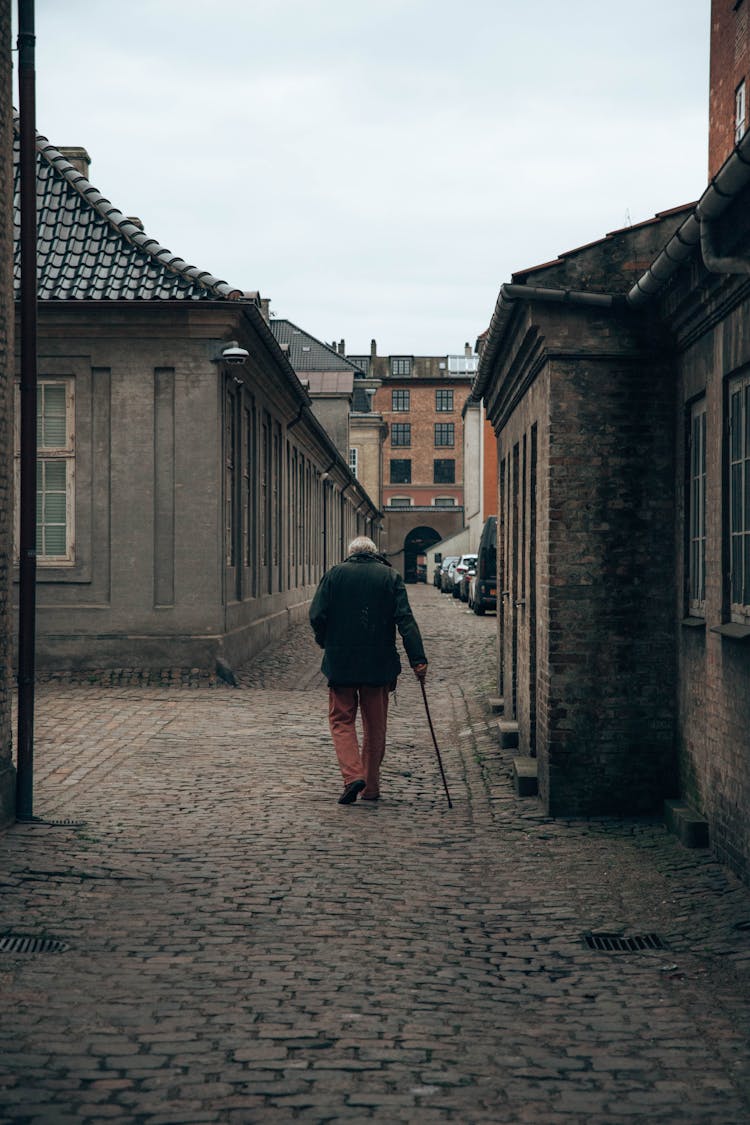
pixel 736 569
pixel 400 471
pixel 735 413
pixel 444 471
pixel 400 401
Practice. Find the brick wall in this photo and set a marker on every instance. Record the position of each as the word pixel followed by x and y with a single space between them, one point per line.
pixel 713 729
pixel 730 64
pixel 7 778
pixel 612 667
pixel 422 417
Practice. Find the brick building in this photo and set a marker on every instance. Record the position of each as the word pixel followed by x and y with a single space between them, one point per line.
pixel 729 79
pixel 420 399
pixel 7 773
pixel 189 498
pixel 616 379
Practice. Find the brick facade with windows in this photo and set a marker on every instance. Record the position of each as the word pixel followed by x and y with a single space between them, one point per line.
pixel 729 83
pixel 617 381
pixel 7 772
pixel 420 399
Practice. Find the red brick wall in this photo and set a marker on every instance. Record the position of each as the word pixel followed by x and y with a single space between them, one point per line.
pixel 730 64
pixel 422 416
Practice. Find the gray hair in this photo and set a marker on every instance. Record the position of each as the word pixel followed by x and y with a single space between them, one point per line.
pixel 362 546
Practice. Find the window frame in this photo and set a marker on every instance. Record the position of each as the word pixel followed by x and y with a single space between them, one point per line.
pixel 740 112
pixel 444 502
pixel 404 432
pixel 738 507
pixel 400 400
pixel 401 365
pixel 47 454
pixel 439 479
pixel 354 461
pixel 400 502
pixel 444 395
pixel 449 429
pixel 406 478
pixel 696 508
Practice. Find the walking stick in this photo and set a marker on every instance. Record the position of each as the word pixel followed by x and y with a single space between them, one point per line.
pixel 432 732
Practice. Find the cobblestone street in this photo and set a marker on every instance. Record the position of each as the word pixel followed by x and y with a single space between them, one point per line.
pixel 240 948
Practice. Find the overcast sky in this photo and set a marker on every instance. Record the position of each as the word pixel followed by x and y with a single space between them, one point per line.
pixel 379 167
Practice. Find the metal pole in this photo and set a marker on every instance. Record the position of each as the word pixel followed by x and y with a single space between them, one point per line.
pixel 27 503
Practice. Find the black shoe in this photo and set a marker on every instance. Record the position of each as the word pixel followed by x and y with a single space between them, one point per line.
pixel 349 796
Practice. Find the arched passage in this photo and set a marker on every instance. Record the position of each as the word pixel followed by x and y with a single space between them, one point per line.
pixel 419 540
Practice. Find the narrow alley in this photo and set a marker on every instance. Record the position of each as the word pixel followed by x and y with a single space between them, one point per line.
pixel 240 948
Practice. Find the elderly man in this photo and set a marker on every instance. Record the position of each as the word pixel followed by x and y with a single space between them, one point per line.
pixel 356 610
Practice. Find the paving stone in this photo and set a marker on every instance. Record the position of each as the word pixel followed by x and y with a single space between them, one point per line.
pixel 242 948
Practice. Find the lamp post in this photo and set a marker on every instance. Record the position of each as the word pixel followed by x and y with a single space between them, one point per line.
pixel 27 502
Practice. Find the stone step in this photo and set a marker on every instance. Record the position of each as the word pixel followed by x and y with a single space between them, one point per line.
pixel 525 777
pixel 508 729
pixel 688 825
pixel 497 704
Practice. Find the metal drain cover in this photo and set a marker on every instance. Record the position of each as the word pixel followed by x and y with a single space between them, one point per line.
pixel 617 943
pixel 20 943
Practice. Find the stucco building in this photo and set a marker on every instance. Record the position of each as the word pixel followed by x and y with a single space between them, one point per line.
pixel 189 499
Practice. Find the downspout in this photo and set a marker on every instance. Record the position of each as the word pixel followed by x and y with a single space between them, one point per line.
pixel 27 544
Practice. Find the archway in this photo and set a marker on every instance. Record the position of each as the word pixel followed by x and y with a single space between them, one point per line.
pixel 419 540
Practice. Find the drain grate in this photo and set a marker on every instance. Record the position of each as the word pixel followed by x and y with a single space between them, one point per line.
pixel 21 943
pixel 65 823
pixel 616 943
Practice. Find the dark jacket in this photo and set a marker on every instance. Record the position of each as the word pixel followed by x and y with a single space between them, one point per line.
pixel 354 614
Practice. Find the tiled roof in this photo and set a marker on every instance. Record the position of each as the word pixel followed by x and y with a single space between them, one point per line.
pixel 305 352
pixel 88 250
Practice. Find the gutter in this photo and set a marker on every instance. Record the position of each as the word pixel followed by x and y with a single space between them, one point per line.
pixel 505 306
pixel 729 181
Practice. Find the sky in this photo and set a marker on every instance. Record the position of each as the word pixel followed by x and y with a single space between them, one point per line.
pixel 378 168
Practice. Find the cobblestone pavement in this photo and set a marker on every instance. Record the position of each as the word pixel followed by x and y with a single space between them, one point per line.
pixel 243 949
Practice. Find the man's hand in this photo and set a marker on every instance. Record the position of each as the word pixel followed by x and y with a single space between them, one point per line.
pixel 420 671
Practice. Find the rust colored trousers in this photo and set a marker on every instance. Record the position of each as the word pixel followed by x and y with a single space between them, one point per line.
pixel 372 701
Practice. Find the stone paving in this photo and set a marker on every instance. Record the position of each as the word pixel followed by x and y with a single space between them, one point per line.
pixel 240 948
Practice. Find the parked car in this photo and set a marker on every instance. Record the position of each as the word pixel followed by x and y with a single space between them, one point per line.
pixel 483 589
pixel 464 585
pixel 459 570
pixel 445 566
pixel 437 571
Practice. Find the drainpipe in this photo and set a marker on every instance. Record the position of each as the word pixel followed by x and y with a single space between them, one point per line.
pixel 27 502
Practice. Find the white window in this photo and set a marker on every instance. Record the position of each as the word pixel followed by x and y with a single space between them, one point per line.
pixel 739 113
pixel 400 502
pixel 739 499
pixel 354 461
pixel 697 514
pixel 444 502
pixel 462 364
pixel 55 472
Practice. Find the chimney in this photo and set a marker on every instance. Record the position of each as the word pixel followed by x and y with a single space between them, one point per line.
pixel 265 309
pixel 78 157
pixel 373 349
pixel 342 347
pixel 467 351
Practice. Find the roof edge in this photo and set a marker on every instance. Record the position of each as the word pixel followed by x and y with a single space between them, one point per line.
pixel 124 226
